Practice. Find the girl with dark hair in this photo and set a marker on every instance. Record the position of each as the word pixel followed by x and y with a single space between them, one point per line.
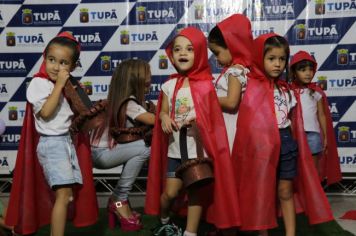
pixel 268 156
pixel 317 119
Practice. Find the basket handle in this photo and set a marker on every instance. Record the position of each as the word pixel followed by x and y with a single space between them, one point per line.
pixel 198 141
pixel 183 142
pixel 123 103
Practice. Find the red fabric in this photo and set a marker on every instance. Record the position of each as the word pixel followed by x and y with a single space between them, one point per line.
pixel 308 192
pixel 301 56
pixel 330 162
pixel 257 148
pixel 236 31
pixel 350 215
pixel 31 199
pixel 223 208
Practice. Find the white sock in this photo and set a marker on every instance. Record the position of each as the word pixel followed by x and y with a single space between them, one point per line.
pixel 186 233
pixel 165 220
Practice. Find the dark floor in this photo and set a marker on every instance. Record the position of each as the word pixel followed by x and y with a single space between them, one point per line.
pixel 101 229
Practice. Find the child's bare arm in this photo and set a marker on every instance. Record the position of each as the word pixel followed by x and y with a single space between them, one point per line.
pixel 147 118
pixel 232 100
pixel 322 122
pixel 168 125
pixel 51 104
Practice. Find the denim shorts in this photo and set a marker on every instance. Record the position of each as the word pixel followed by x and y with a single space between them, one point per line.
pixel 314 142
pixel 287 168
pixel 173 164
pixel 59 161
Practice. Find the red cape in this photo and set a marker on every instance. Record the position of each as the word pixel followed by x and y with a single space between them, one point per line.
pixel 222 209
pixel 257 148
pixel 350 215
pixel 330 162
pixel 31 199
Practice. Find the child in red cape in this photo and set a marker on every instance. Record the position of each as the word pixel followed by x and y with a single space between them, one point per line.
pixel 316 117
pixel 191 61
pixel 31 203
pixel 258 149
pixel 231 42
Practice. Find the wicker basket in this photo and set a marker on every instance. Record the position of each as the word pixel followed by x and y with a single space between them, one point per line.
pixel 194 172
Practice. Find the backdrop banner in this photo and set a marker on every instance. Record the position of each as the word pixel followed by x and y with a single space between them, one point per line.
pixel 113 30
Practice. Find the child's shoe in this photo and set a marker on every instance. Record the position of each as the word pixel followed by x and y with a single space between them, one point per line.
pixel 169 229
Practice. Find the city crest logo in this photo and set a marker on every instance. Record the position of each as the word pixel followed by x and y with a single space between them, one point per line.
pixel 27 17
pixel 199 12
pixel 105 63
pixel 84 15
pixel 319 7
pixel 258 10
pixel 10 39
pixel 300 31
pixel 141 14
pixel 342 56
pixel 323 82
pixel 13 113
pixel 344 134
pixel 163 62
pixel 124 37
pixel 88 87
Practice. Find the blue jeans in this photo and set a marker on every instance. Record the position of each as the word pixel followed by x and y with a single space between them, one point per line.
pixel 132 155
pixel 314 142
pixel 287 168
pixel 57 156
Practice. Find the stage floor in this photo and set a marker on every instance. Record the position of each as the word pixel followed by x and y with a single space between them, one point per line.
pixel 339 204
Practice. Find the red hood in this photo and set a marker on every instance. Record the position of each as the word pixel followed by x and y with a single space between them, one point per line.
pixel 236 31
pixel 303 56
pixel 258 55
pixel 42 72
pixel 201 69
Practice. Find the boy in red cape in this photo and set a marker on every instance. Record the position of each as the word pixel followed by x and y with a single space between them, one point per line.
pixel 257 148
pixel 222 210
pixel 330 163
pixel 31 199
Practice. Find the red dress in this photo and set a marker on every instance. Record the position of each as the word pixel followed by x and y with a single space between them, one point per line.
pixel 31 199
pixel 221 202
pixel 257 148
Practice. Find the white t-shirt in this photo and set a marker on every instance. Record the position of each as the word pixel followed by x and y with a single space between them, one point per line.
pixel 184 111
pixel 309 104
pixel 133 110
pixel 283 103
pixel 221 87
pixel 37 93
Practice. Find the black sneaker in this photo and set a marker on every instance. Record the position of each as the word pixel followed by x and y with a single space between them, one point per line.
pixel 169 229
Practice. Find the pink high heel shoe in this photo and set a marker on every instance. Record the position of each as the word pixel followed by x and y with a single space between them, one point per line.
pixel 132 223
